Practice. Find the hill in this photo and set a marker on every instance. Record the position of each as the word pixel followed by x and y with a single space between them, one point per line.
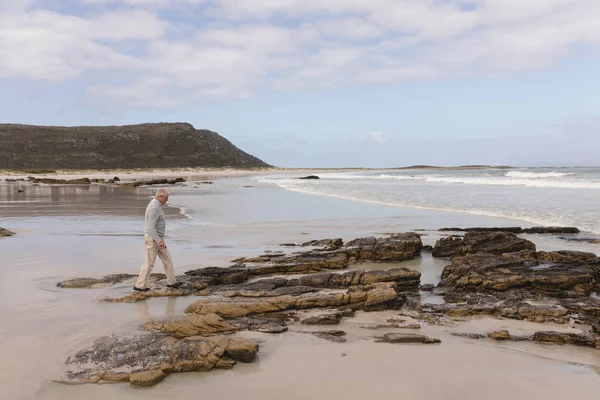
pixel 160 145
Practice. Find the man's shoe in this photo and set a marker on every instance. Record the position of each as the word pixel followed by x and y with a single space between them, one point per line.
pixel 175 285
pixel 141 290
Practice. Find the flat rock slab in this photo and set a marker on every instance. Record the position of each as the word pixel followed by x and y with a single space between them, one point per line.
pixel 333 336
pixel 407 338
pixel 587 339
pixel 481 242
pixel 105 281
pixel 325 319
pixel 146 359
pixel 212 324
pixel 564 274
pixel 234 307
pixel 141 296
pixel 517 229
pixel 6 232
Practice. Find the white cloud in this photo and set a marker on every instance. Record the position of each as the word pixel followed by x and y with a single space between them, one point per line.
pixel 377 136
pixel 229 48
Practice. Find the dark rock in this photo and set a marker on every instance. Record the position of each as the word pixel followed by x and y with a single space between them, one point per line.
pixel 325 319
pixel 334 336
pixel 116 179
pixel 551 229
pixel 566 277
pixel 585 239
pixel 406 338
pixel 335 243
pixel 309 177
pixel 428 248
pixel 481 242
pixel 221 275
pixel 162 145
pixel 49 181
pixel 154 182
pixel 6 232
pixel 511 229
pixel 475 336
pixel 427 287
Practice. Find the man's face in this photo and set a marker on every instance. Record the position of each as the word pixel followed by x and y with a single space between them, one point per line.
pixel 163 199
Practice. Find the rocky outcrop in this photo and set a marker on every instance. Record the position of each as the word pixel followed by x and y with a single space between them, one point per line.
pixel 481 242
pixel 162 145
pixel 550 274
pixel 402 278
pixel 516 229
pixel 309 177
pixel 579 339
pixel 153 182
pixel 5 232
pixel 396 248
pixel 147 359
pixel 377 297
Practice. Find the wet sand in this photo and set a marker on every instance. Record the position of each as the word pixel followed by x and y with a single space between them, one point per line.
pixel 93 231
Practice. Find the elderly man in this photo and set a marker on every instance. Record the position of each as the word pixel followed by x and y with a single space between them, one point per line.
pixel 155 243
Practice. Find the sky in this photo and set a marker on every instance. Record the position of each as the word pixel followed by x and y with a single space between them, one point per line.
pixel 319 83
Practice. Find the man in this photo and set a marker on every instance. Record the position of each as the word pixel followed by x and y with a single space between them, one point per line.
pixel 155 243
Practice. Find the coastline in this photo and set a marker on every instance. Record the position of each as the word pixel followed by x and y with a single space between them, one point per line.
pixel 227 220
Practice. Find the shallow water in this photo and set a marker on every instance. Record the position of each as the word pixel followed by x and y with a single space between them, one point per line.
pixel 64 232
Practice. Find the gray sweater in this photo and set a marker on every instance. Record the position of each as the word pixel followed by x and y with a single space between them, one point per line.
pixel 155 221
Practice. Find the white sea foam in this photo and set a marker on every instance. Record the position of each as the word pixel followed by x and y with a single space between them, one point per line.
pixel 540 183
pixel 536 175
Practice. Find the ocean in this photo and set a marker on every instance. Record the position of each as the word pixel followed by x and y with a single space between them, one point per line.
pixel 538 196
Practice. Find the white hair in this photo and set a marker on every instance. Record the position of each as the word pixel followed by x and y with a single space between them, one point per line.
pixel 162 192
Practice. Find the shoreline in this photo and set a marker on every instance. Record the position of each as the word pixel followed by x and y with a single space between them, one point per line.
pixel 136 173
pixel 238 221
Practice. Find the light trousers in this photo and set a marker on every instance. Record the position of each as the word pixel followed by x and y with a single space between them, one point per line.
pixel 153 250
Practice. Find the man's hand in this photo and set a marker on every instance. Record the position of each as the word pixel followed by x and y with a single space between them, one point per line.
pixel 162 244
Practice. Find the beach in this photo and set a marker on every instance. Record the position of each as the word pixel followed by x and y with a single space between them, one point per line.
pixel 96 230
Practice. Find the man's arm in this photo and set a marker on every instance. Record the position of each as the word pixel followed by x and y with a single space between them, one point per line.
pixel 151 220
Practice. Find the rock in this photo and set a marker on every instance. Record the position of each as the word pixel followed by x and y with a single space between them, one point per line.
pixel 579 339
pixel 108 280
pixel 309 177
pixel 568 277
pixel 154 182
pixel 48 181
pixel 516 229
pixel 221 276
pixel 481 242
pixel 140 355
pixel 140 296
pixel 6 232
pixel 398 247
pixel 511 229
pixel 334 336
pixel 115 377
pixel 406 338
pixel 428 248
pixel 325 319
pixel 475 336
pixel 427 287
pixel 391 326
pixel 331 243
pixel 551 229
pixel 373 299
pixel 348 313
pixel 500 335
pixel 584 239
pixel 191 325
pixel 116 179
pixel 147 378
